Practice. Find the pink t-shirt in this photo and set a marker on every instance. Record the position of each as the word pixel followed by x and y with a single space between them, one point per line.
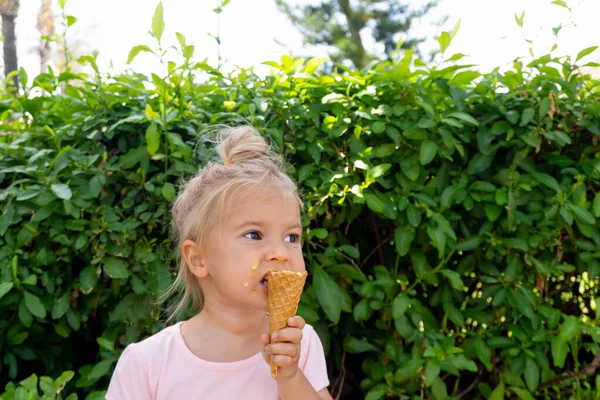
pixel 162 367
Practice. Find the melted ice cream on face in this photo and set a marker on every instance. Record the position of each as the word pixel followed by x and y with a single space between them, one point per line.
pixel 254 266
pixel 251 277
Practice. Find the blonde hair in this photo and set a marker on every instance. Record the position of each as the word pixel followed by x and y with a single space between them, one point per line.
pixel 248 161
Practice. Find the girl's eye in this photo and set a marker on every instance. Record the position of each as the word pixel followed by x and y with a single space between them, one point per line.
pixel 252 235
pixel 293 238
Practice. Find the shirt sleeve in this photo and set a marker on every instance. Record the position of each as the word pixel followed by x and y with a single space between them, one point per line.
pixel 315 366
pixel 130 379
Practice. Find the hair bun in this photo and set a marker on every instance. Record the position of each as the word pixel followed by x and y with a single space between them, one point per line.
pixel 242 144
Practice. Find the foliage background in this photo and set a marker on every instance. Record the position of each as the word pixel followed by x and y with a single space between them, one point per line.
pixel 451 228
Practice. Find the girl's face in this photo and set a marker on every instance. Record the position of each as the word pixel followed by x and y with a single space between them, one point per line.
pixel 259 230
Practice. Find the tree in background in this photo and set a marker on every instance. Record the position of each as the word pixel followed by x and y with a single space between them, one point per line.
pixel 9 9
pixel 339 23
pixel 45 25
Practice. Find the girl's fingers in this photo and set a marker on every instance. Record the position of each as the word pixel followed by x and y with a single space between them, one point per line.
pixel 264 339
pixel 283 349
pixel 296 322
pixel 283 361
pixel 293 335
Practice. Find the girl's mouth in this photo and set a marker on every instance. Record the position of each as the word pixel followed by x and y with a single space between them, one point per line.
pixel 264 284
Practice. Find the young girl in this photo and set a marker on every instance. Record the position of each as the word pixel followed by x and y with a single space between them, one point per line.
pixel 234 222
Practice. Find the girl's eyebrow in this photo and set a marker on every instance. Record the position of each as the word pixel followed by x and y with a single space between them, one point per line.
pixel 246 223
pixel 260 224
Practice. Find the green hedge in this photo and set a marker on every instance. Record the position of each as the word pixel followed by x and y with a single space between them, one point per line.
pixel 451 227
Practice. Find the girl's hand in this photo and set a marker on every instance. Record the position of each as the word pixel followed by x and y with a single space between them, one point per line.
pixel 284 348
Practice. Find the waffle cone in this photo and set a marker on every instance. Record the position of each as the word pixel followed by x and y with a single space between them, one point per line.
pixel 285 288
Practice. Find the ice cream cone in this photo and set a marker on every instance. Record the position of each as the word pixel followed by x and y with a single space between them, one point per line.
pixel 285 288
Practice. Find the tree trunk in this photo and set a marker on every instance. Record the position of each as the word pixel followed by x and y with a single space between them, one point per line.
pixel 10 48
pixel 45 25
pixel 357 56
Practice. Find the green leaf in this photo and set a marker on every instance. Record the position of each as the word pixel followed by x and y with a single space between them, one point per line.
pixel 106 344
pixel 135 51
pixel 453 313
pixel 567 215
pixel 328 294
pixel 62 191
pixel 403 239
pixel 498 393
pixel 544 107
pixel 500 342
pixel 492 211
pixel 376 394
pixel 454 278
pixel 594 272
pixel 461 362
pixel 95 186
pixel 585 52
pixel 5 288
pixel 88 279
pixel 469 244
pixel 479 163
pixel 527 116
pixel 455 29
pixel 400 305
pixel 559 350
pixel 354 345
pixel 411 168
pixel 101 369
pixel 484 353
pixel 519 20
pixel 569 329
pixel 378 127
pixel 152 139
pixel 320 233
pixel 547 180
pixel 115 268
pixel 60 307
pixel 385 150
pixel 168 192
pixel 464 78
pixel 313 64
pixel 532 374
pixel 62 381
pixel 596 205
pixel 34 305
pixel 582 214
pixel 464 117
pixel 414 215
pixel 379 170
pixel 180 39
pixel 350 250
pixel 560 3
pixel 428 151
pixel 432 371
pixel 540 266
pixel 439 390
pixel 444 40
pixel 374 203
pixel 361 311
pixel 70 20
pixel 522 393
pixel 158 23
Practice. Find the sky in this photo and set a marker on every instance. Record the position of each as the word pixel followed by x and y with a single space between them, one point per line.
pixel 253 31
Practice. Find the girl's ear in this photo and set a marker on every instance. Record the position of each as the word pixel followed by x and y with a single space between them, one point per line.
pixel 193 257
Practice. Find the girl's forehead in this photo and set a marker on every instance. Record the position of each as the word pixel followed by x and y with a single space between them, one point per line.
pixel 262 204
